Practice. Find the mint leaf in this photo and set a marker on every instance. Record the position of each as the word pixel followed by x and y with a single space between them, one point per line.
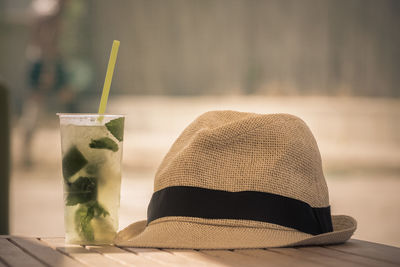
pixel 83 184
pixel 84 189
pixel 72 162
pixel 84 215
pixel 116 128
pixel 104 143
pixel 99 210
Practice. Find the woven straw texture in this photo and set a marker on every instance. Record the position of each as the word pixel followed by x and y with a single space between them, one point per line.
pixel 236 151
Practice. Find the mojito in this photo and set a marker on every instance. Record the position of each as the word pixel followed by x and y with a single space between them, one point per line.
pixel 91 165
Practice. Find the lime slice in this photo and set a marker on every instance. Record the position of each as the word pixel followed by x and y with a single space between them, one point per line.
pixel 103 230
pixel 116 128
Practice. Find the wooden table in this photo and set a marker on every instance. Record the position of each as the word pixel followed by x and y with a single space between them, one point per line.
pixel 29 251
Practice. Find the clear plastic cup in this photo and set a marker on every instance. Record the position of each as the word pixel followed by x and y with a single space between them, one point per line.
pixel 91 165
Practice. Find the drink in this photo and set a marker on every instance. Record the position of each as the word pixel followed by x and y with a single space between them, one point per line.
pixel 92 151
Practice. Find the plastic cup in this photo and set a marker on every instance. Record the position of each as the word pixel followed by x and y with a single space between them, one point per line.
pixel 91 165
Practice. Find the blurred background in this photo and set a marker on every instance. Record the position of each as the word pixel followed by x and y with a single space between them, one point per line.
pixel 335 64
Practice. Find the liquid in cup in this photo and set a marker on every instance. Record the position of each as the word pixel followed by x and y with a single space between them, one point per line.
pixel 92 152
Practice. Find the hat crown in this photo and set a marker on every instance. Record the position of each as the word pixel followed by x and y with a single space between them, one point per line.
pixel 236 151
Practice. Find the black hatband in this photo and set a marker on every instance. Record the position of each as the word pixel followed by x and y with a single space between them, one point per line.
pixel 245 205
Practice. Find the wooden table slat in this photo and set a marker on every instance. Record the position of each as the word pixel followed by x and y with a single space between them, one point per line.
pixel 347 257
pixel 44 253
pixel 276 258
pixel 231 258
pixel 123 256
pixel 315 257
pixel 29 251
pixel 15 256
pixel 370 250
pixel 200 258
pixel 80 253
pixel 163 257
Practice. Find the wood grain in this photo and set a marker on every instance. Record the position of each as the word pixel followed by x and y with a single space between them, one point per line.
pixel 346 256
pixel 200 258
pixel 231 258
pixel 80 253
pixel 14 256
pixel 2 263
pixel 44 253
pixel 162 257
pixel 314 257
pixel 123 256
pixel 370 250
pixel 276 258
pixel 29 251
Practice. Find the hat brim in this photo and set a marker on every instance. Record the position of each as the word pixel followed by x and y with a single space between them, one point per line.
pixel 192 235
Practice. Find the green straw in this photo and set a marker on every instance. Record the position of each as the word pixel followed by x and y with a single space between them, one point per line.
pixel 109 74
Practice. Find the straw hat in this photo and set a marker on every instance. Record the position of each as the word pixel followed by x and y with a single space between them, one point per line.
pixel 240 180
